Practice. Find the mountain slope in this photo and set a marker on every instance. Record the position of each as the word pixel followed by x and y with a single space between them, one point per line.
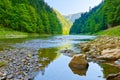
pixel 33 16
pixel 102 17
pixel 65 24
pixel 115 31
pixel 73 17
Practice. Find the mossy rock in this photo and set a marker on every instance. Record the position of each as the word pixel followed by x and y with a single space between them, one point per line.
pixel 2 63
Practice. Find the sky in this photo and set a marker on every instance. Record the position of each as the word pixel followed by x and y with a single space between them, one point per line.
pixel 66 7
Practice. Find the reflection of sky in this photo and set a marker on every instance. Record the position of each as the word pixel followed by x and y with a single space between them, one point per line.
pixel 94 72
pixel 59 70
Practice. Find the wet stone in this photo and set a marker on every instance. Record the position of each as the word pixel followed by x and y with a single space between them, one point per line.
pixel 10 76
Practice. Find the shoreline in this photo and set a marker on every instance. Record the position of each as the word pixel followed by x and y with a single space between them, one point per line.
pixel 101 48
pixel 20 64
pixel 23 63
pixel 104 49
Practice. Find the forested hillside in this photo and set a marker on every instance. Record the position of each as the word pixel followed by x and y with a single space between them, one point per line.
pixel 65 24
pixel 102 17
pixel 32 16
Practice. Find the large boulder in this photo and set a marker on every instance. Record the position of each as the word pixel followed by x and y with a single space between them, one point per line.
pixel 112 54
pixel 79 61
pixel 114 77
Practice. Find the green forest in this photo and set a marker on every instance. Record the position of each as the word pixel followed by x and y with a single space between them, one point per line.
pixel 104 16
pixel 64 22
pixel 31 16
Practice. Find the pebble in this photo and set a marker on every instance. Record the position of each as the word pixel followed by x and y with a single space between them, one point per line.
pixel 21 62
pixel 10 76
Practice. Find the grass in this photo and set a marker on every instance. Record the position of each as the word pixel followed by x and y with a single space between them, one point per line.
pixel 2 63
pixel 109 69
pixel 115 31
pixel 9 33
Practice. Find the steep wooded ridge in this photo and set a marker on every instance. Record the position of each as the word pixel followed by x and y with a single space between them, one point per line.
pixel 32 16
pixel 104 16
pixel 65 23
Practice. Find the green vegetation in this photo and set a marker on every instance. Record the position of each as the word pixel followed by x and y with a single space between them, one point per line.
pixel 65 24
pixel 111 32
pixel 109 69
pixel 10 33
pixel 31 16
pixel 104 16
pixel 2 63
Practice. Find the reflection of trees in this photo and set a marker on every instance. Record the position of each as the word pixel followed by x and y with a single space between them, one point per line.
pixel 46 56
pixel 79 71
pixel 109 69
pixel 65 45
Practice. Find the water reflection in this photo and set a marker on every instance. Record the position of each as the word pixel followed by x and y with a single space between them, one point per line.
pixel 81 72
pixel 6 43
pixel 46 56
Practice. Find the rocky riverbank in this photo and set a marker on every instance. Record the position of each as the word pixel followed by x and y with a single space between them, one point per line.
pixel 103 49
pixel 20 64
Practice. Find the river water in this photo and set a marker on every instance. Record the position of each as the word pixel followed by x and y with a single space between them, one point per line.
pixel 54 65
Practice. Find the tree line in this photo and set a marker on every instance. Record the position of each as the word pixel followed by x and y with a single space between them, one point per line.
pixel 101 17
pixel 32 16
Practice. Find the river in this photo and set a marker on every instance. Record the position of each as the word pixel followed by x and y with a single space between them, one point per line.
pixel 53 64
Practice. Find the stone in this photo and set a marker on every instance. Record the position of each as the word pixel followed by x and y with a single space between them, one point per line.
pixel 10 76
pixel 3 78
pixel 114 76
pixel 112 54
pixel 79 61
pixel 117 62
pixel 68 52
pixel 85 47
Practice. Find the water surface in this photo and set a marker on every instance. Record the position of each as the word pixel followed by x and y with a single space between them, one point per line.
pixel 53 64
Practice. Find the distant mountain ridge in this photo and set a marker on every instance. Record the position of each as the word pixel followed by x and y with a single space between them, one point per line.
pixel 73 17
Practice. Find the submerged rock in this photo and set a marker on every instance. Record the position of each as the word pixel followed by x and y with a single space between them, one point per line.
pixel 68 52
pixel 114 76
pixel 79 61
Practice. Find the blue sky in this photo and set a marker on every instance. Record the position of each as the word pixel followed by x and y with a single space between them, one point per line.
pixel 66 7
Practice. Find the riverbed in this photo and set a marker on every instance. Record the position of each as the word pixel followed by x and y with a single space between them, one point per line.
pixel 53 65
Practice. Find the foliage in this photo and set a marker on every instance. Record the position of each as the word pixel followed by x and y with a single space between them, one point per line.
pixel 65 24
pixel 102 17
pixel 29 16
pixel 111 32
